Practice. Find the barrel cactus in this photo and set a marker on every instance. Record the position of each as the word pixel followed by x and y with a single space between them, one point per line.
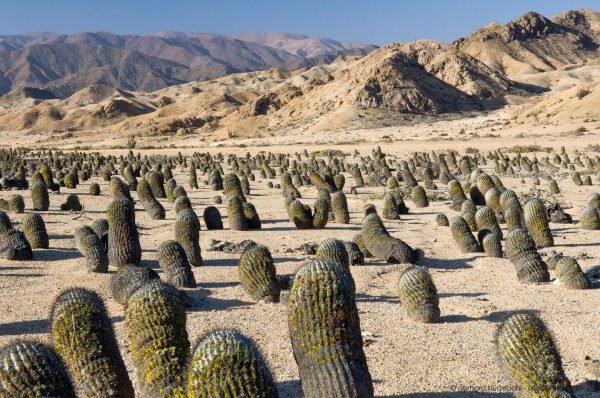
pixel 536 221
pixel 128 279
pixel 339 206
pixel 175 265
pixel 258 276
pixel 252 216
pixel 212 218
pixel 590 218
pixel 16 204
pixel 355 255
pixel 123 239
pixel 463 236
pixel 153 207
pixel 235 214
pixel 40 197
pixel 381 244
pixel 418 295
pixel 14 246
pixel 333 251
pixel 570 275
pixel 94 189
pixel 72 203
pixel 301 215
pixel 187 234
pixel 419 196
pixel 485 218
pixel 442 220
pixel 321 213
pixel 34 228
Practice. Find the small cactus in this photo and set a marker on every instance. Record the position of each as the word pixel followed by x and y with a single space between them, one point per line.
pixel 339 206
pixel 128 279
pixel 485 218
pixel 39 196
pixel 123 239
pixel 175 265
pixel 34 228
pixel 419 196
pixel 418 295
pixel 569 273
pixel 536 221
pixel 212 218
pixel 529 355
pixel 381 244
pixel 492 245
pixel 187 234
pixel 442 220
pixel 84 337
pixel 16 204
pixel 94 189
pixel 72 203
pixel 321 215
pixel 590 218
pixel 14 246
pixel 258 275
pixel 463 236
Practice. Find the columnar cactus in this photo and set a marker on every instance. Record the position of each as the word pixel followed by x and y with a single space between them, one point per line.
pixel 33 369
pixel 325 332
pixel 339 180
pixel 321 215
pixel 39 196
pixel 181 203
pixel 91 247
pixel 212 218
pixel 155 327
pixel 123 239
pixel 235 214
pixel 258 275
pixel 463 236
pixel 227 363
pixel 118 188
pixel 514 218
pixel 358 177
pixel 390 207
pixel 418 295
pixel 419 196
pixel 232 186
pixel 155 209
pixel 128 279
pixel 320 183
pixel 72 203
pixel 252 216
pixel 175 265
pixel 14 246
pixel 492 245
pixel 193 179
pixel 381 244
pixel 333 251
pixel 34 228
pixel 536 220
pixel 529 355
pixel 84 337
pixel 590 218
pixel 187 234
pixel 156 181
pixel 300 215
pixel 339 206
pixel 569 273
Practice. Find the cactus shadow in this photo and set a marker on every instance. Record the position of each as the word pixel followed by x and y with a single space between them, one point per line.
pixel 492 317
pixel 24 327
pixel 379 299
pixel 451 394
pixel 55 254
pixel 289 388
pixel 202 300
pixel 442 263
pixel 60 237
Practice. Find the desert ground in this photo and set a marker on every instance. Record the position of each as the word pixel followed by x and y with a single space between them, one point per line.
pixel 455 358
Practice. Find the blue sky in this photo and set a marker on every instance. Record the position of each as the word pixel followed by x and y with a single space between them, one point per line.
pixel 371 21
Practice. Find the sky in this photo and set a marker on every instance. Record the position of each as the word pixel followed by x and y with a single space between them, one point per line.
pixel 367 21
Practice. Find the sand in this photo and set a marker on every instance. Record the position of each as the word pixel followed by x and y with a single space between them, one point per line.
pixel 455 358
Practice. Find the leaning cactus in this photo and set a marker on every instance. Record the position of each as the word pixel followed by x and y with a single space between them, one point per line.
pixel 123 239
pixel 39 196
pixel 491 245
pixel 321 215
pixel 128 279
pixel 569 274
pixel 590 218
pixel 84 337
pixel 521 250
pixel 119 189
pixel 14 246
pixel 187 234
pixel 156 181
pixel 485 218
pixel 418 295
pixel 252 216
pixel 225 363
pixel 355 255
pixel 34 228
pixel 300 215
pixel 381 244
pixel 528 353
pixel 33 369
pixel 325 332
pixel 235 214
pixel 174 263
pixel 536 220
pixel 155 209
pixel 155 327
pixel 339 206
pixel 258 276
pixel 463 236
pixel 457 195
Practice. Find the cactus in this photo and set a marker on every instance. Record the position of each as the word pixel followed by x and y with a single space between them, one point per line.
pixel 155 209
pixel 457 195
pixel 193 179
pixel 484 183
pixel 72 203
pixel 156 181
pixel 119 189
pixel 169 188
pixel 576 178
pixel 358 177
pixel 123 239
pixel 129 176
pixel 419 196
pixel 381 244
pixel 100 228
pixel 339 181
pixel 321 215
pixel 442 220
pixel 178 191
pixel 155 327
pixel 181 203
pixel 258 276
pixel 536 221
pixel 590 218
pixel 553 187
pixel 514 218
pixel 5 223
pixel 521 250
pixel 225 363
pixel 91 247
pixel 14 246
pixel 235 214
pixel 94 189
pixel 174 263
pixel 252 216
pixel 529 355
pixel 16 204
pixel 300 215
pixel 128 279
pixel 333 251
pixel 33 369
pixel 187 234
pixel 320 183
pixel 569 273
pixel 359 241
pixel 418 295
pixel 325 332
pixel 34 228
pixel 232 186
pixel 39 196
pixel 212 218
pixel 390 207
pixel 84 337
pixel 491 245
pixel 339 206
pixel 485 218
pixel 463 236
pixel 355 255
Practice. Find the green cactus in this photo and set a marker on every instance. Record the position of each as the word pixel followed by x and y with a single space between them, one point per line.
pixel 5 223
pixel 531 270
pixel 300 215
pixel 382 245
pixel 252 216
pixel 212 218
pixel 100 228
pixel 187 234
pixel 153 207
pixel 484 183
pixel 175 265
pixel 14 246
pixel 235 214
pixel 491 244
pixel 358 177
pixel 390 207
pixel 339 206
pixel 536 221
pixel 485 218
pixel 553 187
pixel 355 255
pixel 155 327
pixel 359 241
pixel 70 181
pixel 520 244
pixel 225 363
pixel 94 189
pixel 129 175
pixel 84 337
pixel 590 218
pixel 193 179
pixel 569 273
pixel 16 204
pixel 457 195
pixel 182 203
pixel 339 181
pixel 576 178
pixel 442 220
pixel 514 217
pixel 118 188
pixel 333 251
pixel 463 236
pixel 156 181
pixel 321 215
pixel 34 228
pixel 178 191
pixel 232 186
pixel 91 247
pixel 528 353
pixel 258 275
pixel 128 279
pixel 72 203
pixel 320 183
pixel 325 332
pixel 123 239
pixel 419 196
pixel 418 295
pixel 40 197
pixel 170 186
pixel 288 185
pixel 33 369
